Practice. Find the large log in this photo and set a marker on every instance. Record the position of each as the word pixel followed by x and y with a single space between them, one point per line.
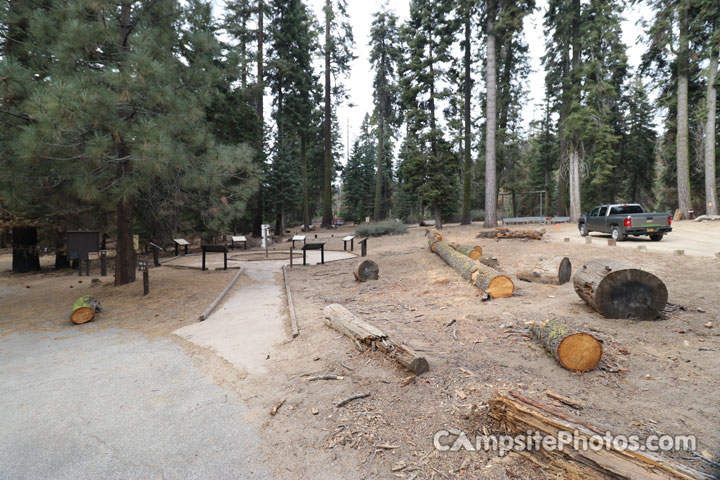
pixel 518 415
pixel 367 270
pixel 486 278
pixel 616 290
pixel 556 271
pixel 502 232
pixel 84 309
pixel 362 333
pixel 574 348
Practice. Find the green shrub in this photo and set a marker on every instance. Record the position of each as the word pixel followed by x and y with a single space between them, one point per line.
pixel 477 215
pixel 376 229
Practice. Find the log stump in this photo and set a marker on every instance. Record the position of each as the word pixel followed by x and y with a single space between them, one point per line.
pixel 617 290
pixel 574 348
pixel 84 309
pixel 555 271
pixel 367 270
pixel 486 278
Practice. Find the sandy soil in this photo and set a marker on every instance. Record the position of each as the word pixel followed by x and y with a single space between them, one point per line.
pixel 658 377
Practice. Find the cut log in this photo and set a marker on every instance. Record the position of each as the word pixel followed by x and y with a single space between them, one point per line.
pixel 555 271
pixel 502 232
pixel 362 333
pixel 84 309
pixel 367 270
pixel 616 290
pixel 472 251
pixel 574 348
pixel 519 415
pixel 486 278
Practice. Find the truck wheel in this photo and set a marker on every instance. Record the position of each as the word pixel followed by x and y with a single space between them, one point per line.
pixel 583 230
pixel 656 237
pixel 617 235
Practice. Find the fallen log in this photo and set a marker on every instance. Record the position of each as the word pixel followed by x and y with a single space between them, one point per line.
pixel 616 290
pixel 486 278
pixel 574 348
pixel 472 251
pixel 502 232
pixel 518 415
pixel 489 261
pixel 362 333
pixel 555 271
pixel 84 309
pixel 367 270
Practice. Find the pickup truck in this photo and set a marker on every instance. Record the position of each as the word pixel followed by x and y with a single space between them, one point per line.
pixel 623 219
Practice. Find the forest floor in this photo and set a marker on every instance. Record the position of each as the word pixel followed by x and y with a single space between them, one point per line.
pixel 658 377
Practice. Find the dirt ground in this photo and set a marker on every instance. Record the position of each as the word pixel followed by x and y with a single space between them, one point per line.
pixel 656 377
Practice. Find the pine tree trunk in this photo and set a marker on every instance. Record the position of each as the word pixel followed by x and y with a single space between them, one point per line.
pixel 683 168
pixel 377 214
pixel 467 167
pixel 574 177
pixel 257 221
pixel 437 215
pixel 306 200
pixel 710 184
pixel 327 129
pixel 491 111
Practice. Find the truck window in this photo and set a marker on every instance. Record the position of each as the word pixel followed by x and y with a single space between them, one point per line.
pixel 595 211
pixel 603 211
pixel 626 210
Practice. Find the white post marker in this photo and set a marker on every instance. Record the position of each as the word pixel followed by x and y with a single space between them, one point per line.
pixel 265 240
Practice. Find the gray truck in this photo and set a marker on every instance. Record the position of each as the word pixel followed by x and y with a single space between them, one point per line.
pixel 623 219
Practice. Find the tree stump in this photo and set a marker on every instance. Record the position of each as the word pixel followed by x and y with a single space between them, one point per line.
pixel 367 270
pixel 486 278
pixel 574 348
pixel 616 290
pixel 84 309
pixel 555 271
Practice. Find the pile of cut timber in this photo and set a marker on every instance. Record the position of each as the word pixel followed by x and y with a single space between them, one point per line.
pixel 574 348
pixel 518 415
pixel 486 278
pixel 556 271
pixel 616 290
pixel 501 232
pixel 363 334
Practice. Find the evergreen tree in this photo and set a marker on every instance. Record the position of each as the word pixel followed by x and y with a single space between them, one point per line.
pixel 384 57
pixel 338 55
pixel 710 18
pixel 359 176
pixel 638 146
pixel 122 106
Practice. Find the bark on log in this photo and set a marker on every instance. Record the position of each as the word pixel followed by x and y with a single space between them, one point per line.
pixel 367 270
pixel 616 290
pixel 486 278
pixel 555 271
pixel 362 333
pixel 518 415
pixel 574 348
pixel 84 309
pixel 472 251
pixel 489 261
pixel 502 232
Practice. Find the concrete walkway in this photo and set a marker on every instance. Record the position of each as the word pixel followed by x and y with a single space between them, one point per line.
pixel 113 404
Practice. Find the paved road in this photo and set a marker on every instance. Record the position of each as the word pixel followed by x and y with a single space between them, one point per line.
pixel 116 405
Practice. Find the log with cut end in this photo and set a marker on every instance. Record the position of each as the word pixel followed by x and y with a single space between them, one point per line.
pixel 486 278
pixel 472 251
pixel 84 309
pixel 367 270
pixel 574 348
pixel 362 333
pixel 617 290
pixel 556 271
pixel 502 232
pixel 518 415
